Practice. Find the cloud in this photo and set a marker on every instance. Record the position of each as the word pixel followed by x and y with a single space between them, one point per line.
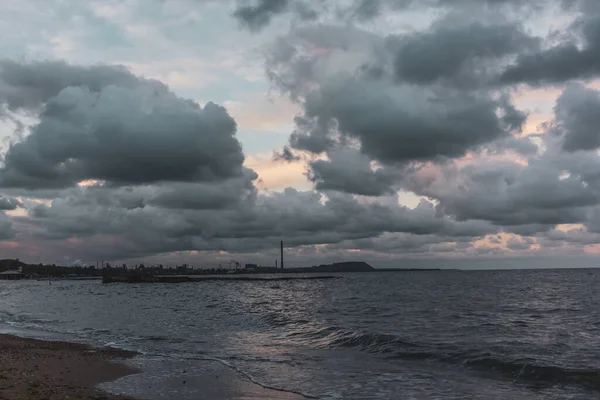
pixel 285 155
pixel 564 61
pixel 301 218
pixel 256 14
pixel 397 124
pixel 202 196
pixel 123 135
pixel 516 244
pixel 9 203
pixel 6 231
pixel 347 95
pixel 28 86
pixel 577 118
pixel 349 171
pixel 391 99
pixel 452 50
pixel 510 194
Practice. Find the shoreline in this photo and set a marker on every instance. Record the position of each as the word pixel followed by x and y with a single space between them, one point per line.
pixel 36 369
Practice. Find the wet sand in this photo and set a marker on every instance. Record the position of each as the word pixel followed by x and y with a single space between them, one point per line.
pixel 36 370
pixel 43 370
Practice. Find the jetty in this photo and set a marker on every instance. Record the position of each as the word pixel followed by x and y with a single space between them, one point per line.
pixel 147 278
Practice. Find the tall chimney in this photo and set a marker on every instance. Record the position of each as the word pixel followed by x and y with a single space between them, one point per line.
pixel 281 255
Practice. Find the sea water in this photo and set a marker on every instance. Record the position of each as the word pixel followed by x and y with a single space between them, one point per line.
pixel 388 335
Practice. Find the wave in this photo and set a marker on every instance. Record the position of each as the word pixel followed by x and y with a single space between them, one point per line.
pixel 526 370
pixel 241 371
pixel 532 371
pixel 335 337
pixel 279 320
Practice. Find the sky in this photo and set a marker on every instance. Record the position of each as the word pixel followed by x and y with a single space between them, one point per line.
pixel 398 132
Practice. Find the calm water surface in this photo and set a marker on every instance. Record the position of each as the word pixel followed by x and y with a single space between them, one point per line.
pixel 421 335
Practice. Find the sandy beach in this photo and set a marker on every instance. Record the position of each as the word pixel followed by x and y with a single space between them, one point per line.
pixel 34 369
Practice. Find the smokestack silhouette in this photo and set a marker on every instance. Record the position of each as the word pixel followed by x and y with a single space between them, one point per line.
pixel 281 255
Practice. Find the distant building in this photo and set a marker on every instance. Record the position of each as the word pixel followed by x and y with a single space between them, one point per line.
pixel 11 275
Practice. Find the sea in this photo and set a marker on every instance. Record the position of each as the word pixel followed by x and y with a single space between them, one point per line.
pixel 518 334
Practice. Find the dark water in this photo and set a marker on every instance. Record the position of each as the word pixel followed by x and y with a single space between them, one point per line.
pixel 421 335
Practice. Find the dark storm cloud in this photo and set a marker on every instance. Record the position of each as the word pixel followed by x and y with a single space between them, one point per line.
pixel 312 135
pixel 30 85
pixel 564 61
pixel 510 194
pixel 349 171
pixel 454 51
pixel 400 124
pixel 123 135
pixel 392 119
pixel 578 118
pixel 6 231
pixel 421 100
pixel 257 14
pixel 302 218
pixel 9 203
pixel 593 221
pixel 203 196
pixel 553 188
pixel 230 193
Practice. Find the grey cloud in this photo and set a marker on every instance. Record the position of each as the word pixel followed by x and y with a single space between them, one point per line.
pixel 399 124
pixel 299 217
pixel 226 194
pixel 312 135
pixel 524 199
pixel 256 14
pixel 578 118
pixel 529 229
pixel 407 244
pixel 9 203
pixel 295 70
pixel 286 154
pixel 516 244
pixel 259 13
pixel 520 145
pixel 562 62
pixel 593 221
pixel 457 52
pixel 343 101
pixel 124 136
pixel 349 171
pixel 577 236
pixel 6 231
pixel 364 10
pixel 30 85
